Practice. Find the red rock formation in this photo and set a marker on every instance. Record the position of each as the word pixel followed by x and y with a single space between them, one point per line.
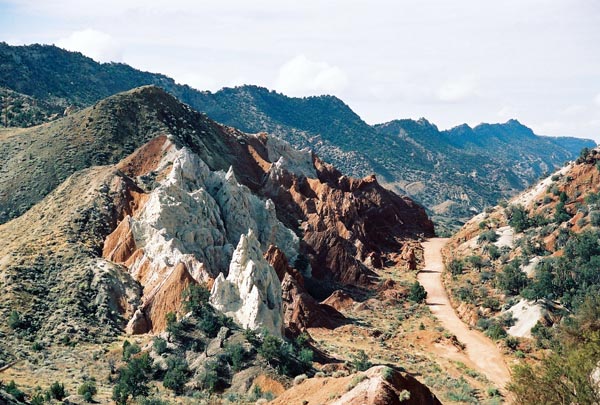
pixel 164 299
pixel 346 221
pixel 300 309
pixel 339 300
pixel 120 244
pixel 277 259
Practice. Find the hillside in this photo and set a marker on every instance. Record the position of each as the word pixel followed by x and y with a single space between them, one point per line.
pixel 526 273
pixel 144 239
pixel 454 173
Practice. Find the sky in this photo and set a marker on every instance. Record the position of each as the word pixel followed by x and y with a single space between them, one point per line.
pixel 453 62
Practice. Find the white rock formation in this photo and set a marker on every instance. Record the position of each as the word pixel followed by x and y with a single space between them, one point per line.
pixel 196 216
pixel 285 156
pixel 527 314
pixel 251 293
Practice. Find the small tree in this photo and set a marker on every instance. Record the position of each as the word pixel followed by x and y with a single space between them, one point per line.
pixel 235 353
pixel 57 391
pixel 133 379
pixel 177 374
pixel 87 390
pixel 417 292
pixel 455 267
pixel 159 345
pixel 196 298
pixel 129 350
pixel 360 361
pixel 476 262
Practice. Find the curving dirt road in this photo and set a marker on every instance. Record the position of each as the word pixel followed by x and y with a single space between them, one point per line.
pixel 480 349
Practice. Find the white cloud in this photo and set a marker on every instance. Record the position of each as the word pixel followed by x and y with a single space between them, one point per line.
pixel 301 76
pixel 95 44
pixel 597 99
pixel 197 81
pixel 506 112
pixel 573 110
pixel 454 91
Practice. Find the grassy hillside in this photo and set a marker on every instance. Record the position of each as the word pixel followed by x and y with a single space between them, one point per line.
pixel 530 268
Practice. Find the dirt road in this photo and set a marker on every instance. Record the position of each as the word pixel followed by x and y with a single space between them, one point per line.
pixel 480 349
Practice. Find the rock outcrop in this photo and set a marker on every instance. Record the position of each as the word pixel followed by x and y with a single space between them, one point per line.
pixel 300 309
pixel 391 388
pixel 251 293
pixel 186 228
pixel 379 385
pixel 171 213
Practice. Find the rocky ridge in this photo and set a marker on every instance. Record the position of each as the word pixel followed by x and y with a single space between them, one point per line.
pixel 170 213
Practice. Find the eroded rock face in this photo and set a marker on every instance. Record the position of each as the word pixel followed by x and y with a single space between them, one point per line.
pixel 393 388
pixel 186 230
pixel 251 293
pixel 300 309
pixel 346 222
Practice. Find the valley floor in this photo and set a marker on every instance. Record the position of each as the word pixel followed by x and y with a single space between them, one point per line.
pixel 482 353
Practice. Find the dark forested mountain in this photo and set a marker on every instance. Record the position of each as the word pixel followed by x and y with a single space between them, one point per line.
pixel 453 173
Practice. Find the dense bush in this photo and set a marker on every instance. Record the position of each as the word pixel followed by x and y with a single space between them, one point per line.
pixel 511 279
pixel 563 377
pixel 177 374
pixel 159 345
pixel 488 236
pixel 360 361
pixel 236 354
pixel 417 292
pixel 57 391
pixel 133 379
pixel 13 390
pixel 455 267
pixel 518 218
pixel 129 350
pixel 287 358
pixel 87 390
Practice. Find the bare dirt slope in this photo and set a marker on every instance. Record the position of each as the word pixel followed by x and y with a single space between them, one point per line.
pixel 483 353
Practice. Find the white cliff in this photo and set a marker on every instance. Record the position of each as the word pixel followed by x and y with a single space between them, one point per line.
pixel 251 293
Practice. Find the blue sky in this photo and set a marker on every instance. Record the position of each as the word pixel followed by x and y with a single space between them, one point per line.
pixel 452 62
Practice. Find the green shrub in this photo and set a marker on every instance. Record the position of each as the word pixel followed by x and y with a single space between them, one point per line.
pixel 495 331
pixel 235 354
pixel 511 279
pixel 57 391
pixel 13 390
pixel 360 361
pixel 177 374
pixel 196 298
pixel 133 379
pixel 151 401
pixel 16 321
pixel 595 218
pixel 512 342
pixel 87 390
pixel 160 345
pixel 518 218
pixel 455 267
pixel 209 378
pixel 355 381
pixel 129 350
pixel 417 292
pixel 560 214
pixel 174 328
pixel 488 236
pixel 37 399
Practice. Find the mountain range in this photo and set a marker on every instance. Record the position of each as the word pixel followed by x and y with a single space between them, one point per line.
pixel 454 173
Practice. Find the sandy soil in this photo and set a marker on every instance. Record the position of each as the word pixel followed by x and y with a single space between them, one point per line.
pixel 483 353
